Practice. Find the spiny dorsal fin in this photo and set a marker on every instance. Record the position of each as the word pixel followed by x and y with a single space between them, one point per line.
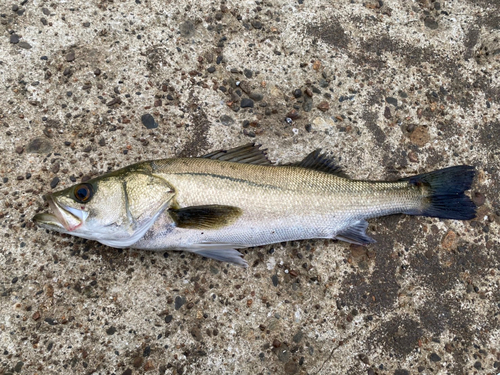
pixel 320 162
pixel 211 216
pixel 248 154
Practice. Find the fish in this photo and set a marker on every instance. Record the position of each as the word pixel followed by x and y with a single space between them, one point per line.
pixel 215 204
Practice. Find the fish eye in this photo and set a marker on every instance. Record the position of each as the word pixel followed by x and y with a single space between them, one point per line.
pixel 83 192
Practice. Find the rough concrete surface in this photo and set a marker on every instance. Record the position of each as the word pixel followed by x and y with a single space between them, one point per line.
pixel 390 88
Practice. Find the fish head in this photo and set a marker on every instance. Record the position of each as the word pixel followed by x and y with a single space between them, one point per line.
pixel 115 209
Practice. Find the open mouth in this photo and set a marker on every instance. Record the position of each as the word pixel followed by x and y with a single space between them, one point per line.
pixel 61 217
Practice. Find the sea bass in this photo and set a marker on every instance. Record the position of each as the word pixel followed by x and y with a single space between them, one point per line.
pixel 227 200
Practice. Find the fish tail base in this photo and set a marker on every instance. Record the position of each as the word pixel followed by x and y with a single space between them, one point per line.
pixel 446 198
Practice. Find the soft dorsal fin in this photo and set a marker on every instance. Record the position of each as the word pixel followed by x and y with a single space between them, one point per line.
pixel 248 154
pixel 320 162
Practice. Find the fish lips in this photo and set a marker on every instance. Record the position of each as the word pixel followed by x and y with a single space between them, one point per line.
pixel 61 217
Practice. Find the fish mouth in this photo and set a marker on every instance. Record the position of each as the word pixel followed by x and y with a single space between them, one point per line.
pixel 61 217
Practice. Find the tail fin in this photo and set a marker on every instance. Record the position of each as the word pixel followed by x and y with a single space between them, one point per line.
pixel 446 198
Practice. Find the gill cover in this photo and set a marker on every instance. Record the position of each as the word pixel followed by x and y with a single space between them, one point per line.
pixel 116 209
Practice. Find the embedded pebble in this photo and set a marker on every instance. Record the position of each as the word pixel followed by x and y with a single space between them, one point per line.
pixel 392 101
pixel 293 114
pixel 14 38
pixel 137 362
pixel 387 113
pixel 413 157
pixel 18 367
pixel 179 302
pixel 431 23
pixel 323 82
pixel 70 56
pixel 307 105
pixel 24 45
pixel 257 24
pixel 420 136
pixel 298 337
pixel 54 182
pixel 434 357
pixel 226 120
pixel 256 96
pixel 245 87
pixel 323 106
pixel 449 240
pixel 275 280
pixel 246 103
pixel 148 121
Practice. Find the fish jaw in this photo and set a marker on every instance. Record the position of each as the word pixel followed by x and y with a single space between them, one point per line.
pixel 76 222
pixel 48 221
pixel 61 218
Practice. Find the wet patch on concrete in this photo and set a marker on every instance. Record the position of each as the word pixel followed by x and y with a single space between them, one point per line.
pixel 399 336
pixel 331 33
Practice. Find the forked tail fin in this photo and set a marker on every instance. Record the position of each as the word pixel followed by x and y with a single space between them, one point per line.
pixel 446 198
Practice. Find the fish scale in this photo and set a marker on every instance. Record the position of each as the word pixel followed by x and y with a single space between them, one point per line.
pixel 231 183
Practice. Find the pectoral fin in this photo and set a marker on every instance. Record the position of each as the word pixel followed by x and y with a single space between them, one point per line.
pixel 205 217
pixel 356 234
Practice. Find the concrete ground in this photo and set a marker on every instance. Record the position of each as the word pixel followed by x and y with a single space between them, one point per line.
pixel 390 88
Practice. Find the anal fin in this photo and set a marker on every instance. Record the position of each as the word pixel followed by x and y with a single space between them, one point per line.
pixel 356 234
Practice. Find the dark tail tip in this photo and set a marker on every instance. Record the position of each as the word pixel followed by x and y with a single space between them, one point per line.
pixel 446 199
